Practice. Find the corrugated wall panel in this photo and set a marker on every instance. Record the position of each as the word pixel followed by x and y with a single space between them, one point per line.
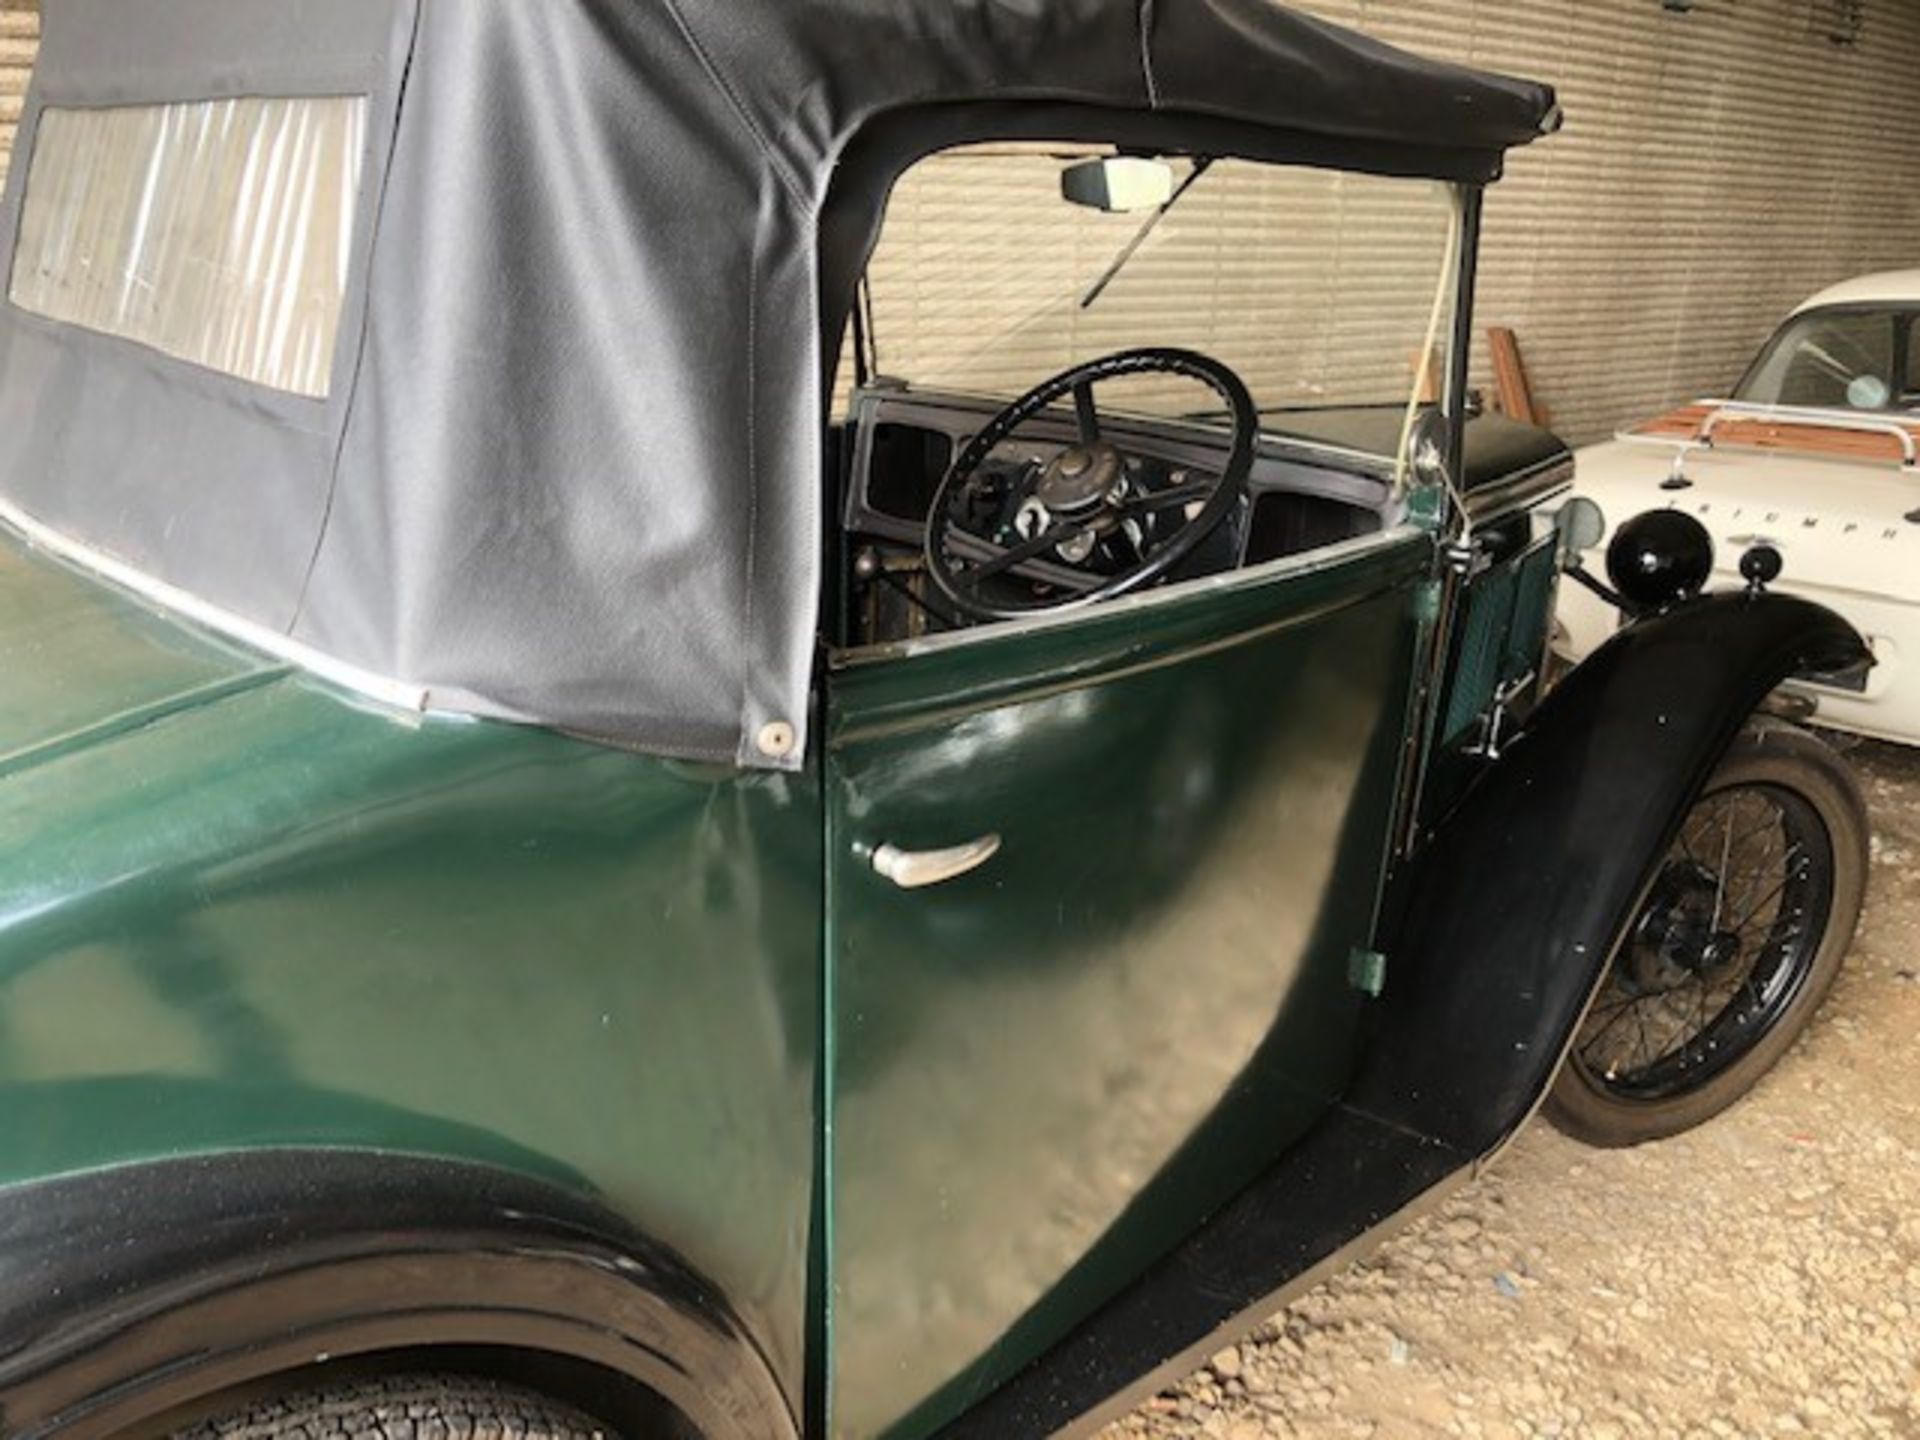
pixel 19 38
pixel 1718 167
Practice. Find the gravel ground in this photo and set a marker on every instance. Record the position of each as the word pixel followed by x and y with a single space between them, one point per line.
pixel 1758 1277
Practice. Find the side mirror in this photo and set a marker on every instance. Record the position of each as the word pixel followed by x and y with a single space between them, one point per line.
pixel 1118 184
pixel 1427 446
pixel 1582 526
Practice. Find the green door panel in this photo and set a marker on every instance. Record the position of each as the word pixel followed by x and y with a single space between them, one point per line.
pixel 280 920
pixel 1043 1074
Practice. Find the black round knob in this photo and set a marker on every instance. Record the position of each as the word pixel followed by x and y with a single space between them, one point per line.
pixel 1761 566
pixel 1659 558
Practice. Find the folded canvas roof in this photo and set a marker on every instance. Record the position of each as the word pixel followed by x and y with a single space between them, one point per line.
pixel 567 469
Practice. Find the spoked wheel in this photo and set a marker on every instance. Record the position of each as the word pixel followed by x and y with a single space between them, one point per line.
pixel 1738 942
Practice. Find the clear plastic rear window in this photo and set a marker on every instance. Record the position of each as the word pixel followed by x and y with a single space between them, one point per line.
pixel 217 232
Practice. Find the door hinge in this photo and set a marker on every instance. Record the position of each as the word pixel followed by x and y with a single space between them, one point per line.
pixel 1367 971
pixel 1426 602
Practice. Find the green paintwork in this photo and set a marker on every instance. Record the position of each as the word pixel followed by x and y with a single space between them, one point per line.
pixel 238 910
pixel 241 910
pixel 1046 1073
pixel 82 662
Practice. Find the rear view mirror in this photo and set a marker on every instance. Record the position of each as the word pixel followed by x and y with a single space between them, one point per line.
pixel 1118 184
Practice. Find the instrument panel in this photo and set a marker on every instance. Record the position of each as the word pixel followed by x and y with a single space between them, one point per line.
pixel 1301 496
pixel 904 441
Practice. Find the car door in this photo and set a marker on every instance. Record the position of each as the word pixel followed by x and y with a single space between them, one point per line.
pixel 1158 830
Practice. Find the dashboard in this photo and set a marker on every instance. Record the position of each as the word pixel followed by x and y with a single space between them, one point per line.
pixel 1302 495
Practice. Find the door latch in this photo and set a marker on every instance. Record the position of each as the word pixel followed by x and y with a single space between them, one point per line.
pixel 917 869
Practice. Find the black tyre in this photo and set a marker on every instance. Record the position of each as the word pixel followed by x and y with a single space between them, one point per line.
pixel 1735 948
pixel 403 1407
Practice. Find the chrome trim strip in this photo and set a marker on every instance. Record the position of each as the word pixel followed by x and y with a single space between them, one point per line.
pixel 396 694
pixel 1523 488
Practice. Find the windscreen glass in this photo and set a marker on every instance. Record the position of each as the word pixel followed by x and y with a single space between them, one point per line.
pixel 1838 360
pixel 216 232
pixel 1321 289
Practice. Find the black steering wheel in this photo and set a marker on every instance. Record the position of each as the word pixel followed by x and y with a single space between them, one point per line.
pixel 1086 502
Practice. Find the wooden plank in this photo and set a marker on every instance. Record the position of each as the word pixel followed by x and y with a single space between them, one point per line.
pixel 1681 424
pixel 1513 393
pixel 1431 385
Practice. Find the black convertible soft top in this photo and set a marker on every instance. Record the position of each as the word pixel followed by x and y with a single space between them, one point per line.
pixel 569 469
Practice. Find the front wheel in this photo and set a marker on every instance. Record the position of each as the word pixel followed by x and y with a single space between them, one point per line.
pixel 1737 944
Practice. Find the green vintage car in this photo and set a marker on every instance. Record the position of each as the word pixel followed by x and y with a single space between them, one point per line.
pixel 754 718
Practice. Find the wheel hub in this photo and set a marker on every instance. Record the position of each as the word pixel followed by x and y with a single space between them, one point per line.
pixel 1678 937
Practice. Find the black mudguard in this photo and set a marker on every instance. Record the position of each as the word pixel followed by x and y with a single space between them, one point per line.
pixel 126 1294
pixel 1522 896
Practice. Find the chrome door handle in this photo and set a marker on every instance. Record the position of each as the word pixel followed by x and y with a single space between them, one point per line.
pixel 917 869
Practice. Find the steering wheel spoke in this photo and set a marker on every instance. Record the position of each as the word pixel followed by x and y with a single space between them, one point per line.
pixel 1087 413
pixel 1024 553
pixel 1159 501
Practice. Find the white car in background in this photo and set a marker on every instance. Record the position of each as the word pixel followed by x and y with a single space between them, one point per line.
pixel 1816 454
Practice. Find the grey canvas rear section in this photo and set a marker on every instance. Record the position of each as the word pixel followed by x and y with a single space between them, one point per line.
pixel 569 471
